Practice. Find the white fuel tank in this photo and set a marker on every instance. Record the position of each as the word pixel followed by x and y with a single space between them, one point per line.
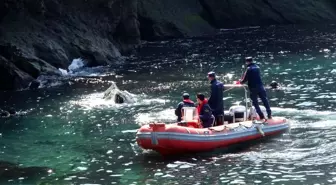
pixel 239 113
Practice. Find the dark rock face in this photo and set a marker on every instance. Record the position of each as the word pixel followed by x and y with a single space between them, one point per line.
pixel 173 18
pixel 11 77
pixel 264 12
pixel 39 36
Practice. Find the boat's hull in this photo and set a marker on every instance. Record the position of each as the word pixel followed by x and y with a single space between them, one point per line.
pixel 173 139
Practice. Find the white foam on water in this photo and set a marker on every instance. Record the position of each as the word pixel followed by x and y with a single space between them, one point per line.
pixel 292 111
pixel 145 101
pixel 130 131
pixel 324 124
pixel 306 104
pixel 77 68
pixel 167 115
pixel 63 71
pixel 96 101
pixel 76 64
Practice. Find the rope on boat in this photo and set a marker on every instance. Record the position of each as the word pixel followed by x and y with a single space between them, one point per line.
pixel 228 89
pixel 258 127
pixel 224 128
pixel 154 138
pixel 244 125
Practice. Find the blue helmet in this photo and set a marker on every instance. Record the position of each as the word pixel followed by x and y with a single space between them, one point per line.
pixel 212 74
pixel 249 59
pixel 185 95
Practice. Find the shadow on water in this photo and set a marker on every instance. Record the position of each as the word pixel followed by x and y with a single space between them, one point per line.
pixel 10 172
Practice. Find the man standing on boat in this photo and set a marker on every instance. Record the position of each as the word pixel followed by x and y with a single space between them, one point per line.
pixel 185 103
pixel 216 98
pixel 256 87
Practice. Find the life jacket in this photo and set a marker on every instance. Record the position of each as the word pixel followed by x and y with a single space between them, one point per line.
pixel 188 103
pixel 199 107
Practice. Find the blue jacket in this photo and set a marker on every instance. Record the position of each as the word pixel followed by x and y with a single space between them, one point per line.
pixel 252 77
pixel 216 98
pixel 205 115
pixel 184 103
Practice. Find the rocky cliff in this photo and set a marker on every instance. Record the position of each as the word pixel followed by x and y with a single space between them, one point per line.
pixel 39 36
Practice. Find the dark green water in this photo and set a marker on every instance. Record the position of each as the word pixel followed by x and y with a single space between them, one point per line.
pixel 85 140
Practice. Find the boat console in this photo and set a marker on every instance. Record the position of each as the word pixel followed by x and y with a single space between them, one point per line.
pixel 238 113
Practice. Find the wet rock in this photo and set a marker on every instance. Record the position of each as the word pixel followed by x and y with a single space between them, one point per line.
pixel 4 114
pixel 127 34
pixel 11 77
pixel 12 111
pixel 34 84
pixel 7 113
pixel 26 61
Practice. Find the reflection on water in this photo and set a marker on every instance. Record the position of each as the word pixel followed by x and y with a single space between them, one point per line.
pixel 86 140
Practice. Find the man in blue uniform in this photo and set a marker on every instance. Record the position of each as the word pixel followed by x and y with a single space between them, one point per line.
pixel 216 98
pixel 185 103
pixel 256 87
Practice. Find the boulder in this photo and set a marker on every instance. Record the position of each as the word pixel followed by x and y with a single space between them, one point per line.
pixel 11 77
pixel 34 85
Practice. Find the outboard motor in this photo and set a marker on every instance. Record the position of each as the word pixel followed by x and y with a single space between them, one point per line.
pixel 238 112
pixel 253 113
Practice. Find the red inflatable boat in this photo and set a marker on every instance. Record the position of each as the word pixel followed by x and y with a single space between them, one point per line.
pixel 173 138
pixel 187 137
